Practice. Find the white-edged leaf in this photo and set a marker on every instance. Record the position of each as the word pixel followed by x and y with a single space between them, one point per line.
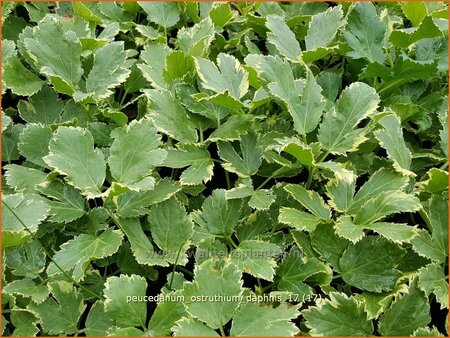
pixel 72 154
pixel 77 253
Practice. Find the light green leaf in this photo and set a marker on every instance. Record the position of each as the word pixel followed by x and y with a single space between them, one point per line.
pixel 8 50
pixel 415 12
pixel 10 138
pixel 406 314
pixel 309 56
pixel 256 258
pixel 23 179
pixel 198 159
pixel 377 273
pixel 34 140
pixel 232 128
pixel 386 204
pixel 341 194
pixel 381 182
pixel 171 229
pixel 305 110
pixel 395 232
pixel 293 271
pixel 435 246
pixel 330 82
pixel 309 111
pixel 24 323
pixel 134 153
pixel 6 121
pixel 196 40
pixel 141 246
pixel 305 104
pixel 60 314
pixel 391 138
pixel 221 14
pixel 27 260
pixel 27 288
pixel 154 55
pixel 19 79
pixel 72 154
pixel 346 228
pixel 437 213
pixel 437 181
pixel 425 246
pixel 427 332
pixel 365 33
pixel 119 292
pixel 283 38
pixel 170 117
pixel 295 147
pixel 432 279
pixel 246 164
pixel 443 133
pixel 113 11
pixel 337 133
pixel 297 219
pixel 43 107
pixel 97 321
pixel 21 214
pixel 132 204
pixel 66 205
pixel 338 170
pixel 252 319
pixel 228 76
pixel 166 314
pixel 179 66
pixel 56 54
pixel 193 327
pixel 323 28
pixel 214 112
pixel 426 30
pixel 261 199
pixel 77 253
pixel 377 303
pixel 339 316
pixel 165 14
pixel 108 71
pixel 85 12
pixel 311 200
pixel 125 332
pixel 219 214
pixel 214 279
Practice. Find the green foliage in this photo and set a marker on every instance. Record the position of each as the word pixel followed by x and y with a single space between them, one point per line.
pixel 224 168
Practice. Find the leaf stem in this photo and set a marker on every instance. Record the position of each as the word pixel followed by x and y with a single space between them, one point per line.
pixel 267 287
pixel 227 179
pixel 175 266
pixel 186 271
pixel 311 170
pixel 230 240
pixel 259 283
pixel 310 176
pixel 222 332
pixel 49 256
pixel 122 100
pixel 323 157
pixel 275 173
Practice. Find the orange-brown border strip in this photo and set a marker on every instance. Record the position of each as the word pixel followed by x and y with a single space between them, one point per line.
pixel 1 47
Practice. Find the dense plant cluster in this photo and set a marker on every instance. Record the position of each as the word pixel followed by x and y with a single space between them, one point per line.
pixel 224 168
